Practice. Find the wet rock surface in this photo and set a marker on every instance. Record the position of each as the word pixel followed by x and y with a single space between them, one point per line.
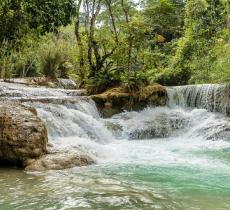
pixel 147 124
pixel 67 84
pixel 116 100
pixel 22 134
pixel 58 160
pixel 216 130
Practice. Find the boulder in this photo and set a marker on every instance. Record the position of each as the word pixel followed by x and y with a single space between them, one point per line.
pixel 22 134
pixel 67 84
pixel 116 100
pixel 58 160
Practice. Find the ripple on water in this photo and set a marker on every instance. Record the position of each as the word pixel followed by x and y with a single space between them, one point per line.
pixel 184 169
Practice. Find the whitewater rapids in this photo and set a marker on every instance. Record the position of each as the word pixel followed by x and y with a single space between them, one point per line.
pixel 173 157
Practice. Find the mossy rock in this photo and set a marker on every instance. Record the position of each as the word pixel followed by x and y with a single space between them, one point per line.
pixel 116 100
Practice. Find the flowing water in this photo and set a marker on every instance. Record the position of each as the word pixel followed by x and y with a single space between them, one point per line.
pixel 172 157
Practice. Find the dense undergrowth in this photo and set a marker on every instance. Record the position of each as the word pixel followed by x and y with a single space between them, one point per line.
pixel 112 43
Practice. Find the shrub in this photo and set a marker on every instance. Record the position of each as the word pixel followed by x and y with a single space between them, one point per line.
pixel 55 57
pixel 174 77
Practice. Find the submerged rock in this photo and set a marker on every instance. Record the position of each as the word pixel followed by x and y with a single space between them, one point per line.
pixel 22 134
pixel 161 126
pixel 58 160
pixel 216 130
pixel 116 100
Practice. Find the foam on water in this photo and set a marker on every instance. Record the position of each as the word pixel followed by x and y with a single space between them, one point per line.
pixel 160 136
pixel 80 120
pixel 18 90
pixel 173 157
pixel 172 135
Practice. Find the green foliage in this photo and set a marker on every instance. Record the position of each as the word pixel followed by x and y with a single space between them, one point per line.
pixel 50 63
pixel 57 55
pixel 20 17
pixel 173 42
pixel 172 77
pixel 6 61
pixel 221 51
pixel 104 80
pixel 196 55
pixel 13 20
pixel 48 15
pixel 165 17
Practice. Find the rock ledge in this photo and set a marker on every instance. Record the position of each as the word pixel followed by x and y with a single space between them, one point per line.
pixel 116 100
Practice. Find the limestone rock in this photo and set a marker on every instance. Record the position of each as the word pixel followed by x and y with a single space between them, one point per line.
pixel 67 83
pixel 22 134
pixel 58 160
pixel 116 100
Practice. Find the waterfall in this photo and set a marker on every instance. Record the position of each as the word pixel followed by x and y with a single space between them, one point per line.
pixel 212 97
pixel 17 91
pixel 167 123
pixel 65 112
pixel 75 126
pixel 155 158
pixel 69 115
pixel 80 119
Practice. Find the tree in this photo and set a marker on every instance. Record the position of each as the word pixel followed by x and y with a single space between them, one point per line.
pixel 79 42
pixel 48 15
pixel 165 18
pixel 20 17
pixel 13 20
pixel 203 21
pixel 97 53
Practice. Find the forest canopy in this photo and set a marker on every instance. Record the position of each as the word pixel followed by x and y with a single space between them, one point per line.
pixel 104 43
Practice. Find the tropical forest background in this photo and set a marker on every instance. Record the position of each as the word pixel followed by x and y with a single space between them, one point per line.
pixel 104 43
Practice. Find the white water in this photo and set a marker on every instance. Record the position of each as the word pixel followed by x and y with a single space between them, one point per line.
pixel 166 135
pixel 17 90
pixel 154 159
pixel 214 98
pixel 173 157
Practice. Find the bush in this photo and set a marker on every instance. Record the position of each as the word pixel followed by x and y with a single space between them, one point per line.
pixel 7 61
pixel 173 77
pixel 27 63
pixel 56 57
pixel 220 71
pixel 103 80
pixel 50 62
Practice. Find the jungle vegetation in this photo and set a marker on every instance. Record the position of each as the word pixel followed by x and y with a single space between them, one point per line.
pixel 104 43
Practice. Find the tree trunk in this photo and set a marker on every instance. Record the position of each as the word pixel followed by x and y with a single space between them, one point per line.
pixel 80 44
pixel 130 41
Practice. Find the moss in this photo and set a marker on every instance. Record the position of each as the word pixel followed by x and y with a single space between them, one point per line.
pixel 115 100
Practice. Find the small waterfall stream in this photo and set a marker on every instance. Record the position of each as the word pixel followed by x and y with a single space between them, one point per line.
pixel 174 157
pixel 80 119
pixel 214 98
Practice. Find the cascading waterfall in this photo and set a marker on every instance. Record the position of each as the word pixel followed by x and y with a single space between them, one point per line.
pixel 80 119
pixel 214 98
pixel 173 157
pixel 19 91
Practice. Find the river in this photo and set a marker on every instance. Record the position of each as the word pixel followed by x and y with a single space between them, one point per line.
pixel 172 157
